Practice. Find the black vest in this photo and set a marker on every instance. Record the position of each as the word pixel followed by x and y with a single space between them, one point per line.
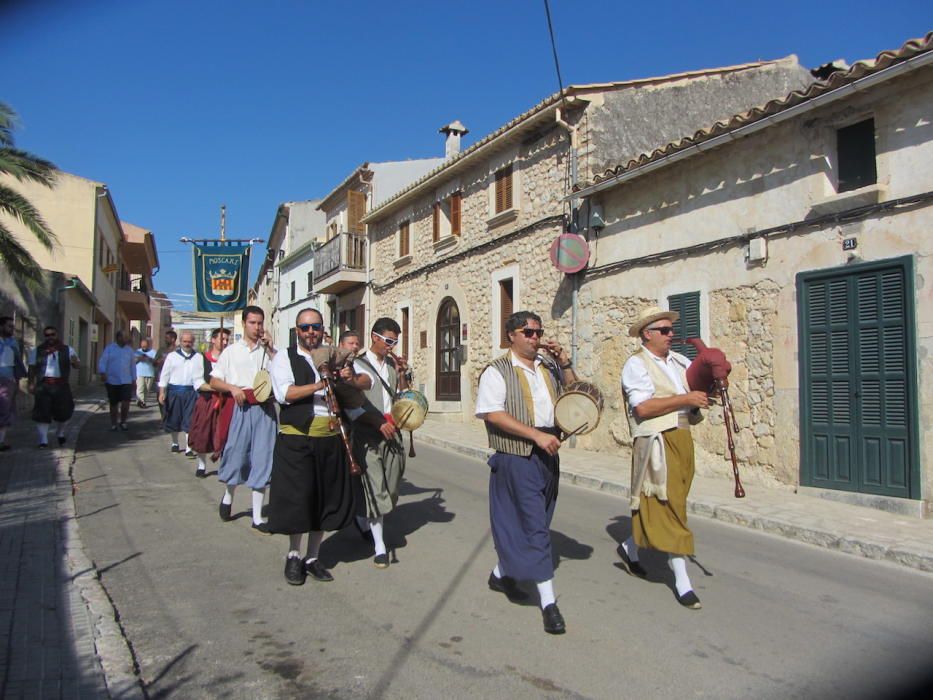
pixel 64 364
pixel 299 414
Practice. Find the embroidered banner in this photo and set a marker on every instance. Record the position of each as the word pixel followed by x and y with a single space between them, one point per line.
pixel 221 271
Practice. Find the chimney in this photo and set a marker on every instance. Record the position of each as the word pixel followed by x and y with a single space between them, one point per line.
pixel 454 131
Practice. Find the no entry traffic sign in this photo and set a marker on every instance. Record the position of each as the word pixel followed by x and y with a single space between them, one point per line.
pixel 570 252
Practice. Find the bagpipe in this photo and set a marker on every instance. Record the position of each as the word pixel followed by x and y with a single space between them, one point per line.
pixel 709 372
pixel 329 361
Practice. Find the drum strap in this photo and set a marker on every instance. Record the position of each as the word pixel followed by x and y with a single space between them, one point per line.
pixel 365 361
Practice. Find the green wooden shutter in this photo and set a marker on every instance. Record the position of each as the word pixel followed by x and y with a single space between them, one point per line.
pixel 688 325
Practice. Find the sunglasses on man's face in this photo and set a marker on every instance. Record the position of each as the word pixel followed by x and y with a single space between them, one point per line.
pixel 529 332
pixel 50 335
pixel 388 341
pixel 305 327
pixel 664 330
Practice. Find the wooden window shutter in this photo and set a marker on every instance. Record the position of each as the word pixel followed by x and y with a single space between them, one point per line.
pixel 436 222
pixel 403 239
pixel 505 310
pixel 356 210
pixel 405 331
pixel 688 325
pixel 360 319
pixel 504 189
pixel 455 200
pixel 424 339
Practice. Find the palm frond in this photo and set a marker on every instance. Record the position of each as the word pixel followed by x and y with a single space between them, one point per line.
pixel 7 122
pixel 16 259
pixel 25 166
pixel 17 206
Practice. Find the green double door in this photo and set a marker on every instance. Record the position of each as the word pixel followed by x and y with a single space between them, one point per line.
pixel 858 379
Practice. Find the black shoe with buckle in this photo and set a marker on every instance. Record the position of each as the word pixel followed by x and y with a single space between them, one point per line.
pixel 633 568
pixel 553 620
pixel 225 512
pixel 317 572
pixel 507 585
pixel 295 571
pixel 381 561
pixel 688 600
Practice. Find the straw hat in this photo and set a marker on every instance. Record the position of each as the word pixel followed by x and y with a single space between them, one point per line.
pixel 648 316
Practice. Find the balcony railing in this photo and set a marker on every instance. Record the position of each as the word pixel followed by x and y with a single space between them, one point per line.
pixel 345 251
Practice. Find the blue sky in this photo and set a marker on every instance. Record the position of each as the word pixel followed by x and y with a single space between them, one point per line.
pixel 180 106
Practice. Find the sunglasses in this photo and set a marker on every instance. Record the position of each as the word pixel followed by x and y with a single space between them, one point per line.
pixel 388 341
pixel 50 335
pixel 664 330
pixel 305 327
pixel 530 332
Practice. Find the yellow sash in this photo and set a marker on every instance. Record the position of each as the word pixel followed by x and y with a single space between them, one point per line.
pixel 320 427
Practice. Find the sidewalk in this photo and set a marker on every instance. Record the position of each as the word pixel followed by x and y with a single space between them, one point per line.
pixel 858 530
pixel 58 634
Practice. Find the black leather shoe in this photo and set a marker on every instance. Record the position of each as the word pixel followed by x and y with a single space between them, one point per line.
pixel 43 445
pixel 61 440
pixel 295 571
pixel 262 528
pixel 632 567
pixel 201 473
pixel 175 448
pixel 381 561
pixel 507 585
pixel 553 620
pixel 688 600
pixel 317 572
pixel 225 512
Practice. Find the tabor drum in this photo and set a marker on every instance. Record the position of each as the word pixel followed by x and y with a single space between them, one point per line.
pixel 410 409
pixel 578 408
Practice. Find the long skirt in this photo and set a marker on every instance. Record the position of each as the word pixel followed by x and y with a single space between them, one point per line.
pixel 522 496
pixel 179 405
pixel 311 485
pixel 8 387
pixel 53 402
pixel 662 525
pixel 203 423
pixel 383 465
pixel 247 456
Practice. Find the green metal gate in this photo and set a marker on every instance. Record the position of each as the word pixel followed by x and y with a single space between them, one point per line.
pixel 858 379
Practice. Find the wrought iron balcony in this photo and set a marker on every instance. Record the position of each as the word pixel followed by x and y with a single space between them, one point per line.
pixel 340 264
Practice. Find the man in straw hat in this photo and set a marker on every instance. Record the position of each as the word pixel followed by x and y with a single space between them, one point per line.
pixel 516 399
pixel 660 410
pixel 247 454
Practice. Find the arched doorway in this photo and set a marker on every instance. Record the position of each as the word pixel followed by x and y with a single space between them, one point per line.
pixel 448 352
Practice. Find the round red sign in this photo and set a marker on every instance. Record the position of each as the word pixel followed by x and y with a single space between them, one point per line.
pixel 570 252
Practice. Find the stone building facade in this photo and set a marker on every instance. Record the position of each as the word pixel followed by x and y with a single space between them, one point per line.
pixel 799 231
pixel 455 251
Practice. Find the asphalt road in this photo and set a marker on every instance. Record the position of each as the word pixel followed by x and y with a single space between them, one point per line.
pixel 208 613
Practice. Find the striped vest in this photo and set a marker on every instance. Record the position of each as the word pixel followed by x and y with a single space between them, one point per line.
pixel 518 404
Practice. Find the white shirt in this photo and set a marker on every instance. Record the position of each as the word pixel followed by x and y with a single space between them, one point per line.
pixel 283 377
pixel 382 367
pixel 238 364
pixel 637 384
pixel 177 370
pixel 490 396
pixel 119 364
pixel 51 367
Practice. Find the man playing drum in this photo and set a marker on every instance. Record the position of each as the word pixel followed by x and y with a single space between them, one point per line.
pixel 660 409
pixel 516 400
pixel 377 445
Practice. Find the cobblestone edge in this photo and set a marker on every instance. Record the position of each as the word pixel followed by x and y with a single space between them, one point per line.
pixel 113 650
pixel 820 537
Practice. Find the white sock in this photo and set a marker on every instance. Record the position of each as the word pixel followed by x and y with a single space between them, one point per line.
pixel 228 495
pixel 681 580
pixel 375 524
pixel 315 537
pixel 362 522
pixel 631 549
pixel 546 593
pixel 43 429
pixel 175 439
pixel 497 572
pixel 258 497
pixel 202 465
pixel 185 446
pixel 61 429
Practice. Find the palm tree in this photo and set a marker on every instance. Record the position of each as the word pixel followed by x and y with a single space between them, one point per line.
pixel 24 167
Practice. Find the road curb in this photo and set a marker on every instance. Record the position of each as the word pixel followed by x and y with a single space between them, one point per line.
pixel 736 515
pixel 113 651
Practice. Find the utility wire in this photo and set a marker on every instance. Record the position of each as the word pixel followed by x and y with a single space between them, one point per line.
pixel 550 28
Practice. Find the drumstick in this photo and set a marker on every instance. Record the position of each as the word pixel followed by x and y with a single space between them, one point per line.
pixel 578 430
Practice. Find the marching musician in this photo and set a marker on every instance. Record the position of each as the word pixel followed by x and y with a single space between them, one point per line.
pixel 247 453
pixel 312 489
pixel 516 399
pixel 181 375
pixel 377 444
pixel 203 434
pixel 660 410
